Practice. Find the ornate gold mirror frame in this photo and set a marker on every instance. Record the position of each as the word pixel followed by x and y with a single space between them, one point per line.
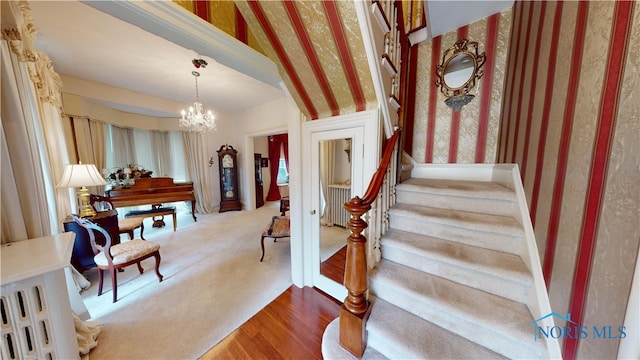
pixel 457 74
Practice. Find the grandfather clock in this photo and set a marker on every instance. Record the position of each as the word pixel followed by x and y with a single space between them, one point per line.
pixel 229 190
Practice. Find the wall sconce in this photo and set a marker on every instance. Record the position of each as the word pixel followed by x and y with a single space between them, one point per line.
pixel 211 162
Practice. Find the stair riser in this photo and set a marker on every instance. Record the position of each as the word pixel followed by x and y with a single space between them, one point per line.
pixel 490 240
pixel 487 282
pixel 391 350
pixel 443 316
pixel 485 206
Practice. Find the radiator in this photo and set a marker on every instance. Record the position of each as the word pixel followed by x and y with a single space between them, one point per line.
pixel 36 321
pixel 338 195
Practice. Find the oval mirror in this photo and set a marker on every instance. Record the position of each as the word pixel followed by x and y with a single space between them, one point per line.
pixel 459 70
pixel 457 74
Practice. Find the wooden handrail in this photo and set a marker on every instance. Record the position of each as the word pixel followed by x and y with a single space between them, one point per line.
pixel 355 309
pixel 376 180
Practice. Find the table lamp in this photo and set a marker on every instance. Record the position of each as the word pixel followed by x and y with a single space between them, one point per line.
pixel 82 175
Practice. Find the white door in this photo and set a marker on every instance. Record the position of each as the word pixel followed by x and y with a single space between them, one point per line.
pixel 336 169
pixel 339 156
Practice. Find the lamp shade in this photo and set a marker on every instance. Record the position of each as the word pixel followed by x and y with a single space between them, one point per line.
pixel 79 175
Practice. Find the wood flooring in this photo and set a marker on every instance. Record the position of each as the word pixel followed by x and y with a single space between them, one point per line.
pixel 290 327
pixel 333 267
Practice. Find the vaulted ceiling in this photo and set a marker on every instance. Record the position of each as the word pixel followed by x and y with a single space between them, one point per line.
pixel 314 47
pixel 319 51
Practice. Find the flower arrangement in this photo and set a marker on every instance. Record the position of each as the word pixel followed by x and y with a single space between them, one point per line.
pixel 126 176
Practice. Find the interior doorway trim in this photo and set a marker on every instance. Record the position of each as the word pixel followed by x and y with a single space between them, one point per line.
pixel 365 129
pixel 249 199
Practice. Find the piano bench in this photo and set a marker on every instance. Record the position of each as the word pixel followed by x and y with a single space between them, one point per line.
pixel 152 213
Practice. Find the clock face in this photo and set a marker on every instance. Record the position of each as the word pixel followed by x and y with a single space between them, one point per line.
pixel 227 161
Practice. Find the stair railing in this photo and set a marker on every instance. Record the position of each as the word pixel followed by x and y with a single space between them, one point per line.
pixel 381 192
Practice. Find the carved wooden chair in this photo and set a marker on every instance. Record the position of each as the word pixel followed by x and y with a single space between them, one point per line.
pixel 126 225
pixel 277 228
pixel 113 258
pixel 284 205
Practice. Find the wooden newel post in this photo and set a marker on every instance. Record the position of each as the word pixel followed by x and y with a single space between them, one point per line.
pixel 355 309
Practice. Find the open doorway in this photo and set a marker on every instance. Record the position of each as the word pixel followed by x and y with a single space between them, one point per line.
pixel 262 171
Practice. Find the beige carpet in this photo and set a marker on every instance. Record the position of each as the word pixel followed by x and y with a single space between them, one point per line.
pixel 213 282
pixel 332 239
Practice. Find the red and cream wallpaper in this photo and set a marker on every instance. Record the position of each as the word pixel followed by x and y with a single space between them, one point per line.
pixel 564 104
pixel 570 119
pixel 443 136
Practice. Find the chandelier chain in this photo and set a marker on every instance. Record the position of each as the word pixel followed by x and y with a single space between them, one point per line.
pixel 196 75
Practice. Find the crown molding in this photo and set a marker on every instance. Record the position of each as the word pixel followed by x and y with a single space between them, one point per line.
pixel 173 23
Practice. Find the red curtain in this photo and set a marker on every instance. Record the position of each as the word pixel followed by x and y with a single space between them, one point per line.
pixel 285 145
pixel 276 142
pixel 274 161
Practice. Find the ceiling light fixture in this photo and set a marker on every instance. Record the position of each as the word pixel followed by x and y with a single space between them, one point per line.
pixel 195 119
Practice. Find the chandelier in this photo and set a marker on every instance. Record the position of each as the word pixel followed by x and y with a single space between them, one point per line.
pixel 195 119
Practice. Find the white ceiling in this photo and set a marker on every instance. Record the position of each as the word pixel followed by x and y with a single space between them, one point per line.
pixel 445 16
pixel 88 44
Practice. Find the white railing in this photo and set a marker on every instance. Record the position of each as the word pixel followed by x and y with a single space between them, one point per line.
pixel 378 216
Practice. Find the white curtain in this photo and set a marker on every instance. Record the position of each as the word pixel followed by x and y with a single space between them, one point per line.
pixel 161 145
pixel 327 168
pixel 23 178
pixel 33 147
pixel 90 139
pixel 91 145
pixel 156 151
pixel 198 169
pixel 123 146
pixel 58 158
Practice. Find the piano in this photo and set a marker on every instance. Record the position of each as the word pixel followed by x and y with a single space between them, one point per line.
pixel 153 190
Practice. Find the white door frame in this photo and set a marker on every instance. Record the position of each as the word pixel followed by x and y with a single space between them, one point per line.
pixel 364 129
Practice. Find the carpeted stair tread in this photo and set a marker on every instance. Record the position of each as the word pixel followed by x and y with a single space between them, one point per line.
pixel 496 272
pixel 398 334
pixel 331 348
pixel 469 196
pixel 494 232
pixel 462 188
pixel 464 219
pixel 502 325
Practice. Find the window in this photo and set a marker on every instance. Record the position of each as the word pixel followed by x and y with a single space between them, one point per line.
pixel 164 155
pixel 283 174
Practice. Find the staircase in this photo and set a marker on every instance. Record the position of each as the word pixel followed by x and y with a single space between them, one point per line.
pixel 452 282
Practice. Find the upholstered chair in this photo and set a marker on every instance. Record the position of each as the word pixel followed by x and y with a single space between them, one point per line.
pixel 126 225
pixel 113 258
pixel 277 228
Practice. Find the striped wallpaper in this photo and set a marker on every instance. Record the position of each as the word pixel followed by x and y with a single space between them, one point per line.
pixel 570 119
pixel 441 135
pixel 560 97
pixel 225 16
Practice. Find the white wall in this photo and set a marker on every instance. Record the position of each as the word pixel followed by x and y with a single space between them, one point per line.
pixel 233 129
pixel 126 99
pixel 240 131
pixel 342 165
pixel 75 105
